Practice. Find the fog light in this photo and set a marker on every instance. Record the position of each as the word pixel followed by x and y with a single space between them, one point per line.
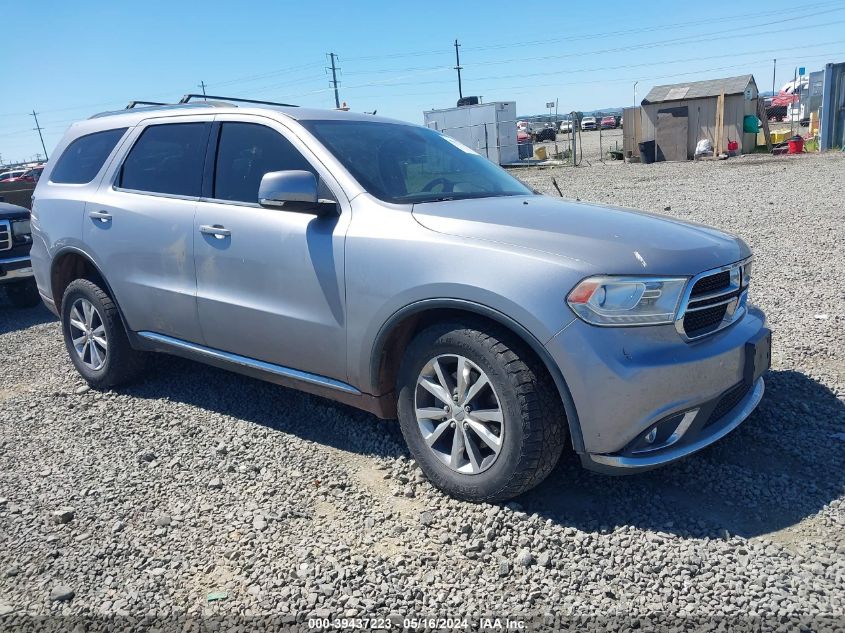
pixel 651 435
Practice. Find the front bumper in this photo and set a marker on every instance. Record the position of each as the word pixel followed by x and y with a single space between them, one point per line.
pixel 626 382
pixel 14 269
pixel 618 464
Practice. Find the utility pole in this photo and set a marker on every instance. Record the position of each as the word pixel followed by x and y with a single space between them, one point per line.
pixel 774 70
pixel 202 85
pixel 635 93
pixel 38 127
pixel 332 56
pixel 791 106
pixel 458 67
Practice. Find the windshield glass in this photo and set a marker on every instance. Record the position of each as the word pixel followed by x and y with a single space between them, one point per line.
pixel 406 164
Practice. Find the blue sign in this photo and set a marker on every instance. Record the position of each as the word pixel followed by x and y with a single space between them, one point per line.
pixel 801 71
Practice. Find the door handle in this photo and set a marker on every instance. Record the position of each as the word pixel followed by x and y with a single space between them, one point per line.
pixel 216 230
pixel 102 216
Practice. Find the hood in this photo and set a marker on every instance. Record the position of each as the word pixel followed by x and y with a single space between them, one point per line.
pixel 9 211
pixel 597 238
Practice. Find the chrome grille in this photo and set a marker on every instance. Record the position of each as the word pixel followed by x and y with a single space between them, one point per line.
pixel 711 283
pixel 5 235
pixel 713 300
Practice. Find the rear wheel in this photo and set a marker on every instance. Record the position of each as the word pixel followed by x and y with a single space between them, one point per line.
pixel 95 337
pixel 479 412
pixel 23 294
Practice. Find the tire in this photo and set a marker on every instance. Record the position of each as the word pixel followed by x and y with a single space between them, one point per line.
pixel 116 362
pixel 528 440
pixel 23 294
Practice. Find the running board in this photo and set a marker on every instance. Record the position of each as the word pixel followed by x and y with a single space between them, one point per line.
pixel 201 352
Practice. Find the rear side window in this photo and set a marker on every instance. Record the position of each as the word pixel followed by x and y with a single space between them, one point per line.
pixel 247 151
pixel 84 157
pixel 167 159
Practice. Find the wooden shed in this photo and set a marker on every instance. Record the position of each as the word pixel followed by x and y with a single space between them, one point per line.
pixel 677 116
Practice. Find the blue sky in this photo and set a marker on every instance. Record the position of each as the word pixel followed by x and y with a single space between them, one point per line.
pixel 68 60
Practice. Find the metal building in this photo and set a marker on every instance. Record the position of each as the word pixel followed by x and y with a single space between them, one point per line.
pixel 832 129
pixel 678 116
pixel 488 128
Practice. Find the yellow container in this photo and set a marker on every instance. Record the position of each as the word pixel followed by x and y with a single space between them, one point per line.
pixel 540 153
pixel 780 137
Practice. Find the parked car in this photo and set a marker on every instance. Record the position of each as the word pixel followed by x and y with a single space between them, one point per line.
pixel 565 127
pixel 33 174
pixel 385 265
pixel 545 133
pixel 589 123
pixel 16 276
pixel 29 175
pixel 7 176
pixel 608 123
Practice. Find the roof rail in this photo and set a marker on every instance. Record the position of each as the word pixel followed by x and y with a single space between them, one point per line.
pixel 132 104
pixel 186 98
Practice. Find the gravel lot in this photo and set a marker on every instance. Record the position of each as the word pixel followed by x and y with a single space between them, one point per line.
pixel 201 493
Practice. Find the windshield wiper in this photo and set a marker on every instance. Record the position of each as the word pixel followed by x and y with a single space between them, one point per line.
pixel 460 196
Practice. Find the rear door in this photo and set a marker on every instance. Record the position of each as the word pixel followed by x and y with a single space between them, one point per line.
pixel 139 225
pixel 270 282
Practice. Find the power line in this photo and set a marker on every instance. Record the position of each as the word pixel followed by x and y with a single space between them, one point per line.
pixel 800 10
pixel 391 83
pixel 653 44
pixel 278 71
pixel 660 43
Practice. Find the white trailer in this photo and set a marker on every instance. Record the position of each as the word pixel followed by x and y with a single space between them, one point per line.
pixel 487 128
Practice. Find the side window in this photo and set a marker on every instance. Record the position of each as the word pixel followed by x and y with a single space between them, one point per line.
pixel 167 158
pixel 84 157
pixel 247 151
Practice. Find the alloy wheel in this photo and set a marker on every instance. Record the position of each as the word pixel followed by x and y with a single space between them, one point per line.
pixel 88 334
pixel 459 414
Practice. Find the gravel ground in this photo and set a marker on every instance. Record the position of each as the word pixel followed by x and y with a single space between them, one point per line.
pixel 203 494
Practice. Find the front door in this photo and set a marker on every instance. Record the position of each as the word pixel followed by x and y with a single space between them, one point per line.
pixel 270 283
pixel 671 134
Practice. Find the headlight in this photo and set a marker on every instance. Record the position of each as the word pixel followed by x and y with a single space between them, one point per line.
pixel 21 228
pixel 620 301
pixel 746 273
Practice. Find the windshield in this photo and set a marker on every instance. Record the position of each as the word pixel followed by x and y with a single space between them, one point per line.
pixel 406 164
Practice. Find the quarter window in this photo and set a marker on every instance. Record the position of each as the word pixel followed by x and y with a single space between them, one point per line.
pixel 167 159
pixel 247 151
pixel 84 157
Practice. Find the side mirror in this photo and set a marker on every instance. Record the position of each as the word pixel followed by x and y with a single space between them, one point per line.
pixel 292 190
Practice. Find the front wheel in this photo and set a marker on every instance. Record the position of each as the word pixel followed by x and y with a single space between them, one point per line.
pixel 479 412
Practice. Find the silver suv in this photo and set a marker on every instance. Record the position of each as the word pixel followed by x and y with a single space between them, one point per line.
pixel 387 266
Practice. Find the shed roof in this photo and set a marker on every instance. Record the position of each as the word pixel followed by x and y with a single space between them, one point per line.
pixel 698 89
